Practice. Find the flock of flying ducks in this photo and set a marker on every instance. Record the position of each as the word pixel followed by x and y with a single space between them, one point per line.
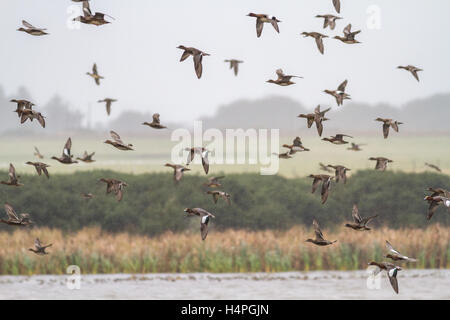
pixel 439 196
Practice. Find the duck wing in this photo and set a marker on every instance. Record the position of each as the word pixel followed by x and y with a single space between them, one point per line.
pixel 317 231
pixel 37 244
pixel 185 55
pixel 325 190
pixel 386 130
pixel 29 25
pixel 414 73
pixel 355 214
pixel 337 5
pixel 319 42
pixel 391 248
pixel 315 184
pixel 67 147
pixel 94 69
pixel 116 137
pixel 392 275
pixel 198 65
pixel 44 169
pixel 394 126
pixel 86 9
pixel 178 173
pixel 259 27
pixel 204 227
pixel 108 107
pixel 342 86
pixel 10 212
pixel 205 161
pixel 274 23
pixel 235 66
pixel 156 118
pixel 12 173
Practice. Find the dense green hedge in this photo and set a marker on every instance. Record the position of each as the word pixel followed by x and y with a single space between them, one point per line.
pixel 153 203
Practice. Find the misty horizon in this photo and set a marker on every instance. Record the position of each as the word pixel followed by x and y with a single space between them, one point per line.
pixel 148 77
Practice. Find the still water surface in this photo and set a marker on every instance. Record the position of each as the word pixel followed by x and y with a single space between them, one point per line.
pixel 413 284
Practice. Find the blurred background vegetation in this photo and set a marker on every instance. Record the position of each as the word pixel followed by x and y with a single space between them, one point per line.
pixel 153 203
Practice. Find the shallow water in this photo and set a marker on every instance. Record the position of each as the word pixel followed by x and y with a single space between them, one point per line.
pixel 413 284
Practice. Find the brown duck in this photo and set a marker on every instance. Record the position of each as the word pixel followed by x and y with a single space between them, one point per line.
pixel 329 20
pixel 178 171
pixel 204 221
pixel 356 147
pixel 197 56
pixel 234 64
pixel 438 196
pixel 20 220
pixel 324 167
pixel 339 94
pixel 40 167
pixel 411 69
pixel 326 184
pixel 118 143
pixel 66 157
pixel 264 18
pixel 95 74
pixel 388 123
pixel 318 37
pixel 37 153
pixel 319 240
pixel 155 124
pixel 13 178
pixel 381 163
pixel 340 172
pixel 32 114
pixel 296 146
pixel 349 36
pixel 22 104
pixel 284 155
pixel 96 19
pixel 359 224
pixel 391 270
pixel 30 29
pixel 395 255
pixel 87 157
pixel 220 194
pixel 203 154
pixel 116 186
pixel 318 117
pixel 213 182
pixel 337 139
pixel 39 248
pixel 433 166
pixel 108 102
pixel 283 79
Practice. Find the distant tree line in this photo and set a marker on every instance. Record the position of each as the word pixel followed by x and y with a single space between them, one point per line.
pixel 153 203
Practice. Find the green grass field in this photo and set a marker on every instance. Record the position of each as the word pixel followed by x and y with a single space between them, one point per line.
pixel 408 152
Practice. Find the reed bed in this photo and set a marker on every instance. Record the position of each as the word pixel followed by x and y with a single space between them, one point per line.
pixel 95 251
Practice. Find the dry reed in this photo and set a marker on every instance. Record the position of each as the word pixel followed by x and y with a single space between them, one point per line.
pixel 95 251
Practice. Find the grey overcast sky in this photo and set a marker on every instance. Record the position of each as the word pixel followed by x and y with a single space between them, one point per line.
pixel 137 53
